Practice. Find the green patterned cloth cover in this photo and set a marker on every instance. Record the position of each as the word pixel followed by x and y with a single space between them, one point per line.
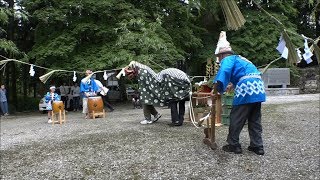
pixel 157 89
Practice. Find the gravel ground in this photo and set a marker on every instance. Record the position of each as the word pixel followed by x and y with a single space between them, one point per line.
pixel 118 147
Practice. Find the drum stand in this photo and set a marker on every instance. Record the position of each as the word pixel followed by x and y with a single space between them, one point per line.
pixel 93 114
pixel 61 117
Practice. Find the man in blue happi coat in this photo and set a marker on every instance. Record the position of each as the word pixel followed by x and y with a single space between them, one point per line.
pixel 88 88
pixel 249 93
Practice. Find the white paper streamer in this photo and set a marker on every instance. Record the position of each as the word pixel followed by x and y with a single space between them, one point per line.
pixel 281 45
pixel 307 52
pixel 299 55
pixel 285 53
pixel 31 71
pixel 105 77
pixel 74 77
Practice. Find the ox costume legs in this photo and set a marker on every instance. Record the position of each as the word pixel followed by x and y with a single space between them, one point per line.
pixel 177 115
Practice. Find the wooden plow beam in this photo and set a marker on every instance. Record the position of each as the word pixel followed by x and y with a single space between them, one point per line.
pixel 212 119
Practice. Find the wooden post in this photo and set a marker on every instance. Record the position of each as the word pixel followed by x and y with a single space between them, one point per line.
pixel 64 116
pixel 218 108
pixel 60 117
pixel 52 117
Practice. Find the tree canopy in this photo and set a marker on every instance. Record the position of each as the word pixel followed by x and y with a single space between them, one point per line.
pixel 106 34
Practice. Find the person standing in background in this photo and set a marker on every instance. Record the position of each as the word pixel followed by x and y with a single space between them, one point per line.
pixel 4 100
pixel 75 91
pixel 64 91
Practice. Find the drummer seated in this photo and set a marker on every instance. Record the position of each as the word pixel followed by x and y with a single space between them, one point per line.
pixel 50 97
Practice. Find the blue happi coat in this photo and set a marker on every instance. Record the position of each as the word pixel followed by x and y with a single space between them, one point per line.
pixel 89 86
pixel 49 99
pixel 244 76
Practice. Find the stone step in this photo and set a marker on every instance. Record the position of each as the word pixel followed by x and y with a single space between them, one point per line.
pixel 281 91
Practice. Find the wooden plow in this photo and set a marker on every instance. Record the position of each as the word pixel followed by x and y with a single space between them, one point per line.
pixel 211 120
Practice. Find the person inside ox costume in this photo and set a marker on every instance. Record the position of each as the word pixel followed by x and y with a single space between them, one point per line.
pixel 169 86
pixel 249 93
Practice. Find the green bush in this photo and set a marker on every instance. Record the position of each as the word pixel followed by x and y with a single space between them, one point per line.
pixel 27 104
pixel 295 75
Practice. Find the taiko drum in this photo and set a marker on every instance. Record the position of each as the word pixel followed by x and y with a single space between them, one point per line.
pixel 95 104
pixel 57 106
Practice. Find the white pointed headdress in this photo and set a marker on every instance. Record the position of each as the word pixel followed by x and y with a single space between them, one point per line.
pixel 223 45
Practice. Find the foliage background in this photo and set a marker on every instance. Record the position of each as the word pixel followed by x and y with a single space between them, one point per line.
pixel 106 34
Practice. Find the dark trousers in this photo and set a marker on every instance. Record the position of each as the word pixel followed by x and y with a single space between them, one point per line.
pixel 106 103
pixel 238 116
pixel 64 99
pixel 177 117
pixel 148 110
pixel 4 107
pixel 76 103
pixel 136 103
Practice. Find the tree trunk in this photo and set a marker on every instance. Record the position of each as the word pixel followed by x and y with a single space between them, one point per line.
pixel 24 81
pixel 13 79
pixel 35 90
pixel 317 14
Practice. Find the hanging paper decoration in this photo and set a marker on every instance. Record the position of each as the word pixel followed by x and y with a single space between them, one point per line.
pixel 74 77
pixel 299 55
pixel 307 52
pixel 292 53
pixel 31 71
pixel 281 44
pixel 283 50
pixel 105 77
pixel 285 53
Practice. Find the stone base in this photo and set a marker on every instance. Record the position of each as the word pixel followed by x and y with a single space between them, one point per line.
pixel 281 91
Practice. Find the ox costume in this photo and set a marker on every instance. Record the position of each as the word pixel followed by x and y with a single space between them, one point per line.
pixel 249 93
pixel 170 86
